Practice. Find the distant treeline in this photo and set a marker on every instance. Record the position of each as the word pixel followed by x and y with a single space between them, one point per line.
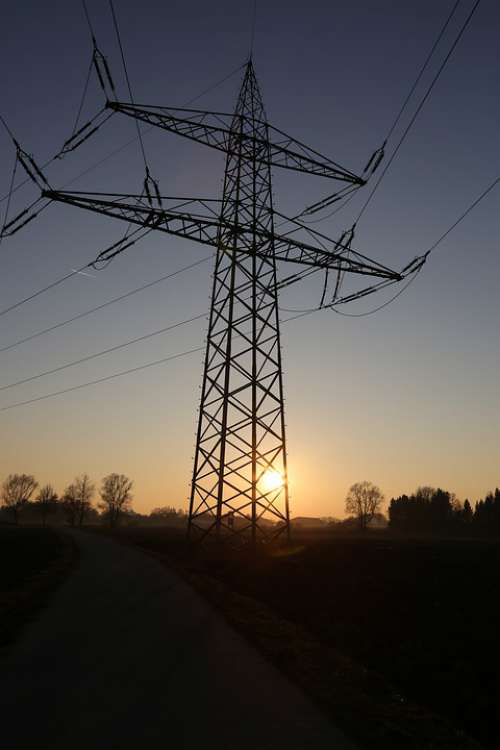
pixel 23 500
pixel 438 511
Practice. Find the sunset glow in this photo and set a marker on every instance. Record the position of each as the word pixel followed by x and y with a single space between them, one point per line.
pixel 272 480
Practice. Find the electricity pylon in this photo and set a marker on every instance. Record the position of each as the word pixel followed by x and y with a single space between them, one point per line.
pixel 240 478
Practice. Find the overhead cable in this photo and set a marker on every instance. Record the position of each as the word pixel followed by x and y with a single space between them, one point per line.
pixel 125 145
pixel 139 134
pixel 419 108
pixel 379 154
pixel 89 383
pixel 102 380
pixel 103 305
pixel 424 256
pixel 111 349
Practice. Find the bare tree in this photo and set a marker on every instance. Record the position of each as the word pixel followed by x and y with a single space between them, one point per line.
pixel 17 490
pixel 70 503
pixel 46 501
pixel 363 500
pixel 116 496
pixel 77 499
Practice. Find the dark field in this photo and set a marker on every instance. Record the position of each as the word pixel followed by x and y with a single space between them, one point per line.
pixel 32 562
pixel 422 615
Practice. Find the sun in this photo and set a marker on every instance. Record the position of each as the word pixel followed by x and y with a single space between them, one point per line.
pixel 272 480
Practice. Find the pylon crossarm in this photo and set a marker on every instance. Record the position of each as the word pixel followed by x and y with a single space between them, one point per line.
pixel 206 230
pixel 294 251
pixel 296 155
pixel 215 129
pixel 191 225
pixel 414 267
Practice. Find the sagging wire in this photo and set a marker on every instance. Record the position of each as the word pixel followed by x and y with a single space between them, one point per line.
pixel 125 145
pixel 106 256
pixel 11 188
pixel 151 188
pixel 423 99
pixel 84 133
pixel 36 175
pixel 105 304
pixel 84 96
pixel 345 241
pixel 99 63
pixel 117 30
pixel 98 60
pixel 412 276
pixel 348 192
pixel 378 155
pixel 332 213
pixel 411 271
pixel 376 159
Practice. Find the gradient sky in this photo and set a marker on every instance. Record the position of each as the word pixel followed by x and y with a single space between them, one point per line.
pixel 405 397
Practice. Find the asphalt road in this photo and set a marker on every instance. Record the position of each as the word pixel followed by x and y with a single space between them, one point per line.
pixel 126 655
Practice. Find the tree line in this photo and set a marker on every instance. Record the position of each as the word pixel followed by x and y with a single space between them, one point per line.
pixel 427 510
pixel 22 498
pixel 20 492
pixel 431 509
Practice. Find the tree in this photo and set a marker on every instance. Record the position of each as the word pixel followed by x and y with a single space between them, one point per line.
pixel 427 510
pixel 77 499
pixel 46 501
pixel 116 496
pixel 17 490
pixel 467 512
pixel 363 500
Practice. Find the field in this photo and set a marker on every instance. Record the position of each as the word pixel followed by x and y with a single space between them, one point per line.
pixel 396 639
pixel 33 561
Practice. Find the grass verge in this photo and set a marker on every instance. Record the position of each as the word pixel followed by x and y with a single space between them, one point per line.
pixel 33 563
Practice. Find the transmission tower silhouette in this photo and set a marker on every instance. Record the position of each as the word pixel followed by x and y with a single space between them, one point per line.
pixel 239 489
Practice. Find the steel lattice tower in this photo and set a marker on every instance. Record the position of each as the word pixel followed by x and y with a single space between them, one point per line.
pixel 240 472
pixel 240 479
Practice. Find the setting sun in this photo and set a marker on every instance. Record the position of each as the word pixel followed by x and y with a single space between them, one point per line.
pixel 272 480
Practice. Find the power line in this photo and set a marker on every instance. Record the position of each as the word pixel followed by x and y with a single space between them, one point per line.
pixel 82 174
pixel 45 289
pixel 104 304
pixel 125 145
pixel 139 135
pixel 425 255
pixel 300 314
pixel 380 307
pixel 391 130
pixel 423 68
pixel 102 380
pixel 419 108
pixel 374 161
pixel 103 352
pixel 89 22
pixel 84 96
pixel 422 102
pixel 122 372
pixel 7 208
pixel 464 214
pixel 9 131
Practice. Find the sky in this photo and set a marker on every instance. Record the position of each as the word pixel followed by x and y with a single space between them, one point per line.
pixel 404 397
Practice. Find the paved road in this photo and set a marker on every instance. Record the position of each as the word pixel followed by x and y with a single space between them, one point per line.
pixel 127 655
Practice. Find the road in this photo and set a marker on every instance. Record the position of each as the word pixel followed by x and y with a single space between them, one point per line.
pixel 127 655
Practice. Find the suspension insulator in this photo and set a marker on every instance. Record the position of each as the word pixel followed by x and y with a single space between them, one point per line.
pixel 375 159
